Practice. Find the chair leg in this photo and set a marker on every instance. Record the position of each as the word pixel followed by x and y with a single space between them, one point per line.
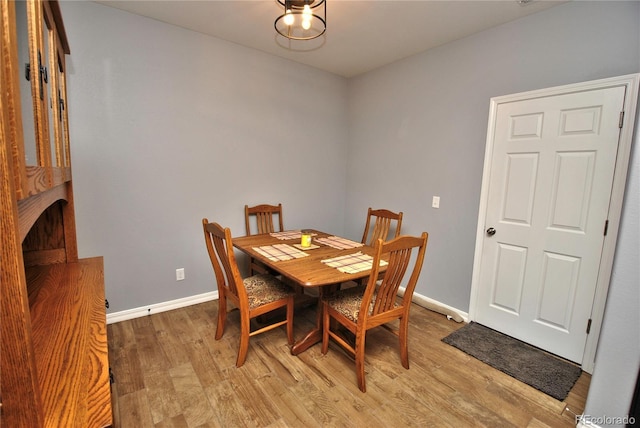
pixel 404 343
pixel 325 328
pixel 245 326
pixel 222 315
pixel 359 356
pixel 290 306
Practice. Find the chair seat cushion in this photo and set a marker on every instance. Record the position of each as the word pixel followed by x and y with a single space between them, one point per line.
pixel 263 289
pixel 348 302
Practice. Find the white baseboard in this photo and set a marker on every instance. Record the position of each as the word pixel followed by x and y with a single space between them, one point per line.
pixel 441 308
pixel 161 307
pixel 155 308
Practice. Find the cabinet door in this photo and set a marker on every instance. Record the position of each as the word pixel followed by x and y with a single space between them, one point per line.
pixel 39 36
pixel 43 149
pixel 24 27
pixel 48 49
pixel 55 130
pixel 61 118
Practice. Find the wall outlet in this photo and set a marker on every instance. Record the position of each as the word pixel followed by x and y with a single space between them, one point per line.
pixel 179 274
pixel 435 202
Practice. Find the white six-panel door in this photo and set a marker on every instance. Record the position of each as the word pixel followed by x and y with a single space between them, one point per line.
pixel 552 168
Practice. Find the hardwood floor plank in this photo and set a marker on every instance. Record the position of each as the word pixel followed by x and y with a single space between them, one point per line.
pixel 261 412
pixel 120 334
pixel 191 395
pixel 577 398
pixel 480 414
pixel 276 359
pixel 474 385
pixel 171 372
pixel 535 423
pixel 181 325
pixel 224 351
pixel 228 410
pixel 435 395
pixel 316 402
pixel 203 362
pixel 151 354
pixel 278 424
pixel 203 317
pixel 134 410
pixel 130 376
pixel 174 422
pixel 291 410
pixel 162 396
pixel 170 328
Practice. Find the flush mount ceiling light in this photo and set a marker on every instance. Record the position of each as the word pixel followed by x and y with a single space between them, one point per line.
pixel 302 19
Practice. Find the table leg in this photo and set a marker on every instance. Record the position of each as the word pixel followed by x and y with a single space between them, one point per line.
pixel 315 335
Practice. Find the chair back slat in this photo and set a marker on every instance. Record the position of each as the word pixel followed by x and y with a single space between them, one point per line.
pixel 220 249
pixel 381 229
pixel 380 223
pixel 387 291
pixel 381 296
pixel 265 216
pixel 265 222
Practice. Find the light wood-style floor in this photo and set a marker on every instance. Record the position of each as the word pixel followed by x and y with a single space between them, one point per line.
pixel 170 372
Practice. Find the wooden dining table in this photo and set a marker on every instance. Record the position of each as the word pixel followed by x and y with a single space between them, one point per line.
pixel 308 272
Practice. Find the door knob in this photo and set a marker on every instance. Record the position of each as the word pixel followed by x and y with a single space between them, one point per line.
pixel 491 231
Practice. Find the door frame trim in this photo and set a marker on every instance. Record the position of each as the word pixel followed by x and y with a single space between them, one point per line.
pixel 631 82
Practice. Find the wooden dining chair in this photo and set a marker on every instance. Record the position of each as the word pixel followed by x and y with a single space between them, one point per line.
pixel 264 218
pixel 253 296
pixel 360 309
pixel 264 215
pixel 379 225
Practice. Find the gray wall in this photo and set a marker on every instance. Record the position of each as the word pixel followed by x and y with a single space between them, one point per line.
pixel 169 126
pixel 418 126
pixel 618 357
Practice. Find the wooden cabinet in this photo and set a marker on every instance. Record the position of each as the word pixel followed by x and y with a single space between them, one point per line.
pixel 53 347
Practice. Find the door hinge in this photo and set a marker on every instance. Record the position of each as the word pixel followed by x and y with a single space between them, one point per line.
pixel 106 303
pixel 606 227
pixel 621 119
pixel 589 326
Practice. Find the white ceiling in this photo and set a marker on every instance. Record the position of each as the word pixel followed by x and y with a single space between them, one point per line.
pixel 361 35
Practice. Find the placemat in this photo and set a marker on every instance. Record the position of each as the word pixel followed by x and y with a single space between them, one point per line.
pixel 279 252
pixel 339 242
pixel 352 263
pixel 289 234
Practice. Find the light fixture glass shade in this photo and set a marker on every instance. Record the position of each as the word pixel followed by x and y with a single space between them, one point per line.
pixel 302 19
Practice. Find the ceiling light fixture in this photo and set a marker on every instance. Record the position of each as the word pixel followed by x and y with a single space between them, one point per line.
pixel 302 19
